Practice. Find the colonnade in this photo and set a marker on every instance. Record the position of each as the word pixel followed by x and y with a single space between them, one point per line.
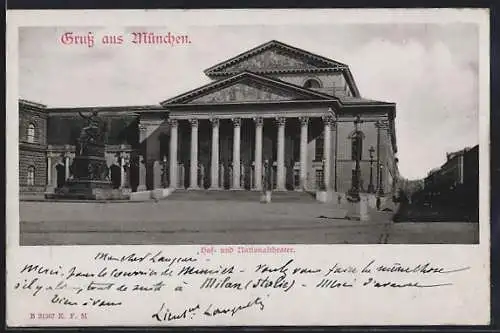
pixel 258 160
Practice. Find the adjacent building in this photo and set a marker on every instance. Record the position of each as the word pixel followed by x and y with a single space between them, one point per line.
pixel 456 183
pixel 298 113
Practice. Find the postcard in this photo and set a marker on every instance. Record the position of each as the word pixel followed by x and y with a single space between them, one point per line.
pixel 248 167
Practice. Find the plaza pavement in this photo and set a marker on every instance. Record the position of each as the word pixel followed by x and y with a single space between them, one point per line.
pixel 221 222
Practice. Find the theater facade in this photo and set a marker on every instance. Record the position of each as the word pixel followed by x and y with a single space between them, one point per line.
pixel 298 115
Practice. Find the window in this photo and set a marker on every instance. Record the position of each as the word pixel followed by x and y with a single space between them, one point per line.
pixel 312 84
pixel 30 135
pixel 318 151
pixel 30 178
pixel 357 146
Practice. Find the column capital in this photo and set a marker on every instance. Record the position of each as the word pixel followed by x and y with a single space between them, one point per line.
pixel 214 121
pixel 124 154
pixel 236 121
pixel 193 122
pixel 304 121
pixel 259 121
pixel 142 128
pixel 280 121
pixel 173 122
pixel 357 119
pixel 328 119
pixel 382 124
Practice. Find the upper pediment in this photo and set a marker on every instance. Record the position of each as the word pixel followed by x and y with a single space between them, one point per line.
pixel 274 57
pixel 246 87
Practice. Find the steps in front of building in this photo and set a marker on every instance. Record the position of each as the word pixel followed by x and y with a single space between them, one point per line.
pixel 239 195
pixel 292 196
pixel 210 195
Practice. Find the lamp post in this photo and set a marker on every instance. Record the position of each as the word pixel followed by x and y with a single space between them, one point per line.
pixel 354 191
pixel 371 188
pixel 165 172
pixel 380 187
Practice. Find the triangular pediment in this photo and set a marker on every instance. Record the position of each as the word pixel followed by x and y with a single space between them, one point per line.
pixel 246 87
pixel 273 56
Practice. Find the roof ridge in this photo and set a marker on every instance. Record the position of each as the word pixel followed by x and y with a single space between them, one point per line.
pixel 31 103
pixel 247 54
pixel 241 74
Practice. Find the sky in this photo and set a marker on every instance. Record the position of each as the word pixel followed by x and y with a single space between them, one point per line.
pixel 429 70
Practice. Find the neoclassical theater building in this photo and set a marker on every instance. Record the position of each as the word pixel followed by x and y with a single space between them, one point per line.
pixel 298 113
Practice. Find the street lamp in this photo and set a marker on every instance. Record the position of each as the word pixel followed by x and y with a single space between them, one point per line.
pixel 165 179
pixel 354 191
pixel 371 188
pixel 380 187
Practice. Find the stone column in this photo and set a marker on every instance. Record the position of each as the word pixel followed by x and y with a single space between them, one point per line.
pixel 142 159
pixel 236 153
pixel 49 170
pixel 157 174
pixel 221 175
pixel 173 152
pixel 193 176
pixel 304 123
pixel 327 121
pixel 214 169
pixel 259 124
pixel 66 166
pixel 57 161
pixel 280 181
pixel 142 174
pixel 122 170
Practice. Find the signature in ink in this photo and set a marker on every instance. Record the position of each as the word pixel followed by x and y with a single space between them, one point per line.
pixel 166 314
pixel 212 310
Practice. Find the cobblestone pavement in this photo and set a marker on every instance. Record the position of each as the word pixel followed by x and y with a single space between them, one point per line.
pixel 221 222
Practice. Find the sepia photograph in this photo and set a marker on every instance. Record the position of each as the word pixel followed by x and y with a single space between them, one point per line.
pixel 248 167
pixel 365 134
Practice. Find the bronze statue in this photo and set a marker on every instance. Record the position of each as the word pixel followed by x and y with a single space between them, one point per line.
pixel 92 133
pixel 93 119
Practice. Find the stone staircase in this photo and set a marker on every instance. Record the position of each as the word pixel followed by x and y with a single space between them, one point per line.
pixel 243 195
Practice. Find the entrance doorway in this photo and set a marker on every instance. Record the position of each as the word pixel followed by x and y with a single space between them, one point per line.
pixel 60 175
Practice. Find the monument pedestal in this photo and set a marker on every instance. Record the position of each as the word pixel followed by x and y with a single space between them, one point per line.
pixel 91 173
pixel 87 190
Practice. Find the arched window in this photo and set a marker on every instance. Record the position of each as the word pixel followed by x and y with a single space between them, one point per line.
pixel 30 135
pixel 30 177
pixel 312 84
pixel 357 145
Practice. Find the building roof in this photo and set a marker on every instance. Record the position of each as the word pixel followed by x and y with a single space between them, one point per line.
pixel 460 152
pixel 246 76
pixel 106 109
pixel 298 92
pixel 30 104
pixel 316 63
pixel 350 100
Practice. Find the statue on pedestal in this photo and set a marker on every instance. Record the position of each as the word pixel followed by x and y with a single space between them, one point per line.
pixel 91 173
pixel 91 134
